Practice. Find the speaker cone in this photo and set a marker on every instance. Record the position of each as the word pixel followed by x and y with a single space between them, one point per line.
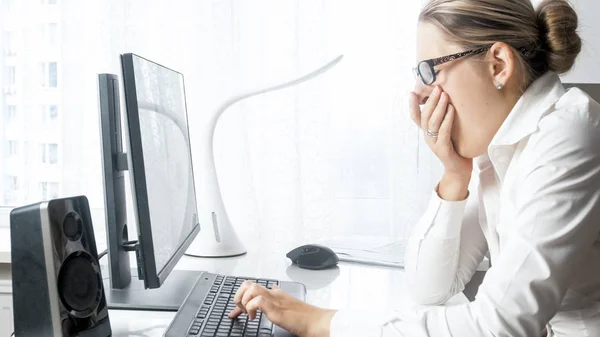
pixel 80 284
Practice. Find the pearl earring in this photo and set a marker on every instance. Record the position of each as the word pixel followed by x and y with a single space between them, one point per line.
pixel 499 86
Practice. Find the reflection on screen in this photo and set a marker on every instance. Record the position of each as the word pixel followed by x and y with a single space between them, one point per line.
pixel 167 158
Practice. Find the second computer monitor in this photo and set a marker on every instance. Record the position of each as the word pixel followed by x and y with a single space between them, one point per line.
pixel 160 164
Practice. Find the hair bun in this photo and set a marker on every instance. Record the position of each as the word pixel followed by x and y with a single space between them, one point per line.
pixel 558 24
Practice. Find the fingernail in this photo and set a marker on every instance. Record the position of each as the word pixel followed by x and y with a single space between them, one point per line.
pixel 436 90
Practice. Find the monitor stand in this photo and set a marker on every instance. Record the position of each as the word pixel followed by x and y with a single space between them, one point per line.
pixel 168 297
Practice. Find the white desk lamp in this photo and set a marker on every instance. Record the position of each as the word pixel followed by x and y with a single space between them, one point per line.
pixel 218 238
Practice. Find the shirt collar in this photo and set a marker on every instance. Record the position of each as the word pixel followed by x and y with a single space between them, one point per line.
pixel 523 120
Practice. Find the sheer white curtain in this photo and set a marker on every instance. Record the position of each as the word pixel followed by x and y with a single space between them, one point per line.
pixel 334 156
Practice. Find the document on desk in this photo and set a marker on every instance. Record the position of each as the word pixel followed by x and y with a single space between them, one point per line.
pixel 375 250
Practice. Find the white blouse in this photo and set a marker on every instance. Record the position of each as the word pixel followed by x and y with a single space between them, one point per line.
pixel 536 209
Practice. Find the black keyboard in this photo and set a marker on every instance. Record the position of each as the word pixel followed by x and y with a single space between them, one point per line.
pixel 212 316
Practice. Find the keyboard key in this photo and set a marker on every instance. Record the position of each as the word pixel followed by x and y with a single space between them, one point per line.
pixel 251 332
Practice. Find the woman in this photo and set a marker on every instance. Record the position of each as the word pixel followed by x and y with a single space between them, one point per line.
pixel 497 104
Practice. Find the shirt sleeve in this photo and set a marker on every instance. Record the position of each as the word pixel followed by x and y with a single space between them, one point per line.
pixel 444 249
pixel 554 228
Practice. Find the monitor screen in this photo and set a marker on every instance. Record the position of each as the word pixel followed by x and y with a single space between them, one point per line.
pixel 162 171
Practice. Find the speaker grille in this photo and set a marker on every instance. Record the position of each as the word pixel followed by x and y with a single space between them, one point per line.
pixel 80 284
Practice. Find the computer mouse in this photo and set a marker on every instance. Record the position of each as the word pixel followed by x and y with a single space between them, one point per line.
pixel 315 257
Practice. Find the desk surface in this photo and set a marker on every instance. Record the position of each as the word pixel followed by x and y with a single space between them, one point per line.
pixel 350 285
pixel 4 245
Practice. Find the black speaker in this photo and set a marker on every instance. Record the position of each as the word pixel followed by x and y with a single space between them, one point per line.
pixel 56 279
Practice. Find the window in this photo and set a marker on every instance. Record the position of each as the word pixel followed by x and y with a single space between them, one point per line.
pixel 49 74
pixel 53 153
pixel 295 44
pixel 13 148
pixel 11 113
pixel 49 113
pixel 51 33
pixel 52 74
pixel 53 112
pixel 43 75
pixel 11 190
pixel 10 5
pixel 49 190
pixel 25 152
pixel 12 76
pixel 10 44
pixel 9 198
pixel 49 154
pixel 12 182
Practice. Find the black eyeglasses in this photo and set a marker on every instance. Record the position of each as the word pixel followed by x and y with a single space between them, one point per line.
pixel 426 71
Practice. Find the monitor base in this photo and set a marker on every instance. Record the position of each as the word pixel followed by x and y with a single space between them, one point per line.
pixel 168 297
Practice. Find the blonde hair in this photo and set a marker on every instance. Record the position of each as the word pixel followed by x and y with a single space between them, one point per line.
pixel 544 39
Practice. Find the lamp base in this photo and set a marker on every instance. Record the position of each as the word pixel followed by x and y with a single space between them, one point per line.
pixel 205 245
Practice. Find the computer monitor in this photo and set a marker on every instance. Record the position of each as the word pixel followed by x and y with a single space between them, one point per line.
pixel 159 162
pixel 161 165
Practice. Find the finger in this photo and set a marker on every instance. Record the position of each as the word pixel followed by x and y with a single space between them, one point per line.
pixel 253 291
pixel 236 312
pixel 446 129
pixel 435 121
pixel 237 299
pixel 429 107
pixel 415 109
pixel 255 304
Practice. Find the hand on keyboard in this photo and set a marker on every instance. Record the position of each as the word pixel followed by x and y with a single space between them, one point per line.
pixel 281 309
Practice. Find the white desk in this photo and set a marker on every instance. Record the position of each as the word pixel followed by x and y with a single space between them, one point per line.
pixel 350 285
pixel 5 284
pixel 4 245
